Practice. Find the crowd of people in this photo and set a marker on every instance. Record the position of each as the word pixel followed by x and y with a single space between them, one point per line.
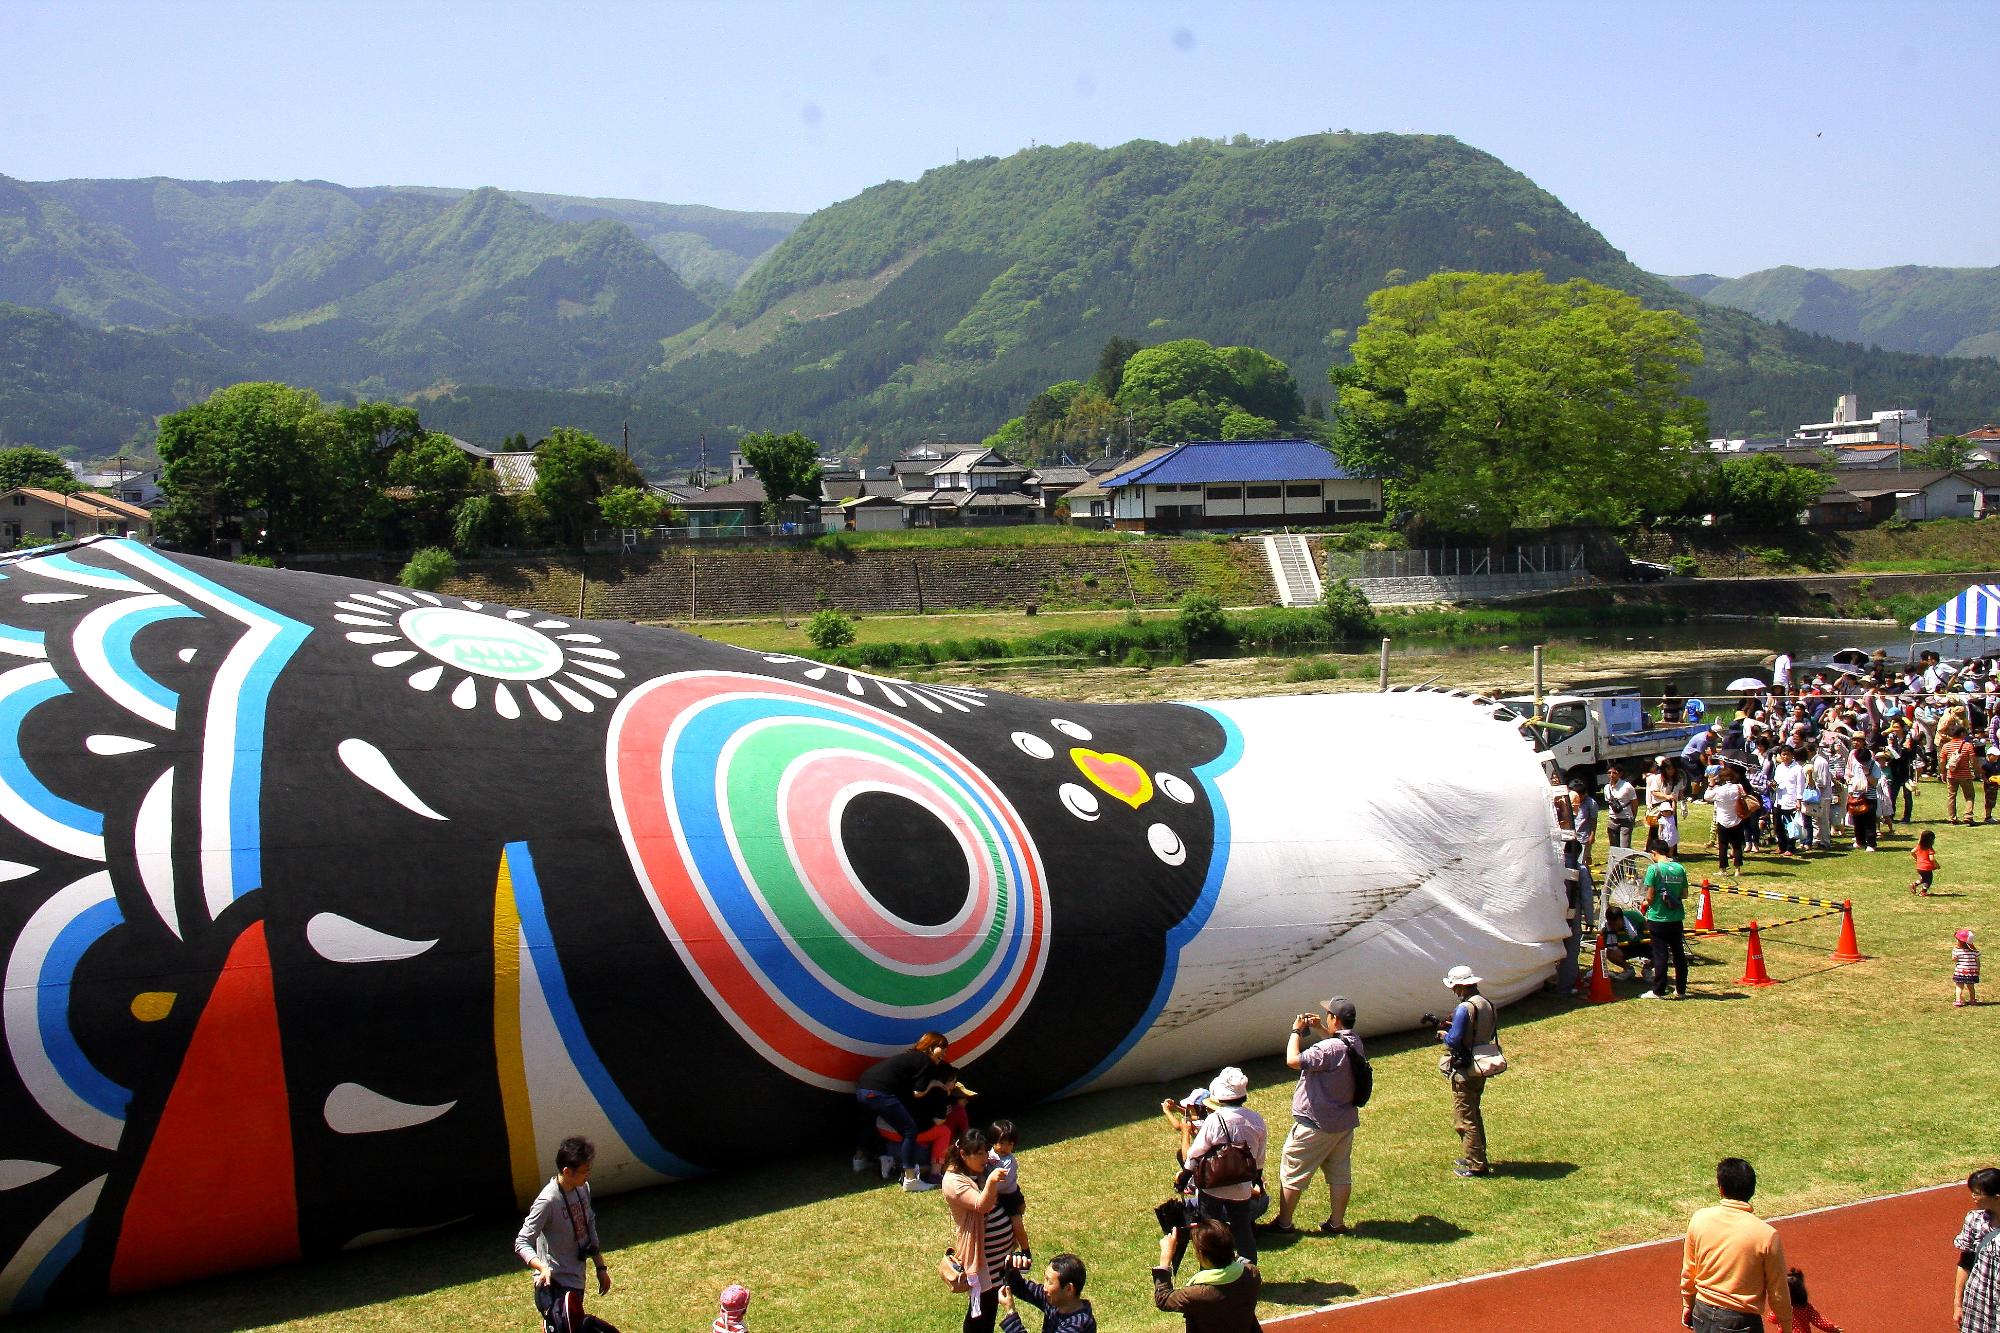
pixel 1837 756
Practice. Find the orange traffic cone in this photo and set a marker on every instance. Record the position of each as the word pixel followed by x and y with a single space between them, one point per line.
pixel 1704 918
pixel 1753 964
pixel 1600 982
pixel 1848 950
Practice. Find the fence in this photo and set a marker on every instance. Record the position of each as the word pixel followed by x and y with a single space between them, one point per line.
pixel 1459 574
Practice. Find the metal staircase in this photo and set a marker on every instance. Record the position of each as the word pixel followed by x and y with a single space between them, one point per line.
pixel 1293 570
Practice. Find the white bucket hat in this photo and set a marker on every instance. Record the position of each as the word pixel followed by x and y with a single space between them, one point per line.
pixel 1461 976
pixel 1229 1086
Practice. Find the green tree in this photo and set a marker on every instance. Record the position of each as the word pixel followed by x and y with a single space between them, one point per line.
pixel 1496 401
pixel 1346 610
pixel 1248 426
pixel 1111 366
pixel 1264 384
pixel 787 464
pixel 363 439
pixel 437 474
pixel 630 507
pixel 1186 370
pixel 1755 491
pixel 26 465
pixel 252 460
pixel 573 468
pixel 1944 451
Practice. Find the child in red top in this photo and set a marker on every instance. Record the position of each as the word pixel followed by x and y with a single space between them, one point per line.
pixel 1804 1317
pixel 1925 853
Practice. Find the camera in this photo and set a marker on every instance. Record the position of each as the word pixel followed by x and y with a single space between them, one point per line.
pixel 1430 1021
pixel 1174 1215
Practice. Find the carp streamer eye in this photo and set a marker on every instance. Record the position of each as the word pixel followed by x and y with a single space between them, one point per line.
pixel 483 643
pixel 734 795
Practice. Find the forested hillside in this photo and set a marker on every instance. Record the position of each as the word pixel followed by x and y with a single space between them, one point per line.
pixel 940 305
pixel 172 288
pixel 915 310
pixel 1937 311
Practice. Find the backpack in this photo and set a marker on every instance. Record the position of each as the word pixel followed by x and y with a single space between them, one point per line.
pixel 1364 1073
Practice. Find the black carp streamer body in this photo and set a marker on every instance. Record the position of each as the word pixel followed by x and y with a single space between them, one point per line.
pixel 305 878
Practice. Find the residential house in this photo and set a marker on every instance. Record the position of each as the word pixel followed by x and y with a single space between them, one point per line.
pixel 514 471
pixel 139 487
pixel 1912 493
pixel 1054 483
pixel 973 486
pixel 859 503
pixel 736 505
pixel 1239 484
pixel 1089 502
pixel 30 511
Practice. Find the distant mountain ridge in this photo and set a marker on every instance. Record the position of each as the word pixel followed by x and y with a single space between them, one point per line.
pixel 1909 308
pixel 915 310
pixel 941 305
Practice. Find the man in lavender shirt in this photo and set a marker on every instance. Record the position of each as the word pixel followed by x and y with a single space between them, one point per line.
pixel 1323 1113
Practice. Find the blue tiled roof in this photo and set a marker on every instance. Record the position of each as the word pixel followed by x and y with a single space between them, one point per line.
pixel 1236 460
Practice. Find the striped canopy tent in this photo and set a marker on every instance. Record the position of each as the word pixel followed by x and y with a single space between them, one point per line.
pixel 1973 613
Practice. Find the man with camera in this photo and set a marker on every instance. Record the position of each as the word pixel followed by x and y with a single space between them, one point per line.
pixel 1325 1051
pixel 1472 1055
pixel 559 1236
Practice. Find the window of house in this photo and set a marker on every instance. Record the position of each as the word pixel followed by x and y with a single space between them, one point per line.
pixel 1225 492
pixel 1302 490
pixel 20 499
pixel 1965 497
pixel 56 529
pixel 1264 492
pixel 1354 502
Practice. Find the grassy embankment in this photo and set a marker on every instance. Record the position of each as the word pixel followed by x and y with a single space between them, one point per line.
pixel 1839 1083
pixel 1935 546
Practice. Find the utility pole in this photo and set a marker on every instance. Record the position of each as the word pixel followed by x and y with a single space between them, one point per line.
pixel 703 473
pixel 628 441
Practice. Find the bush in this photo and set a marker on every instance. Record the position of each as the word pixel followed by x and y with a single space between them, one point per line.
pixel 1305 672
pixel 1346 611
pixel 1684 566
pixel 1201 619
pixel 1139 658
pixel 259 561
pixel 829 629
pixel 428 568
pixel 630 507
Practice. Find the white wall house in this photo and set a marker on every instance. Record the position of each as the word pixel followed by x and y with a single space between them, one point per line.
pixel 1239 484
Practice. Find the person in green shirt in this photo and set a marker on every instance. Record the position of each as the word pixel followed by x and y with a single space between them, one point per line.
pixel 1665 907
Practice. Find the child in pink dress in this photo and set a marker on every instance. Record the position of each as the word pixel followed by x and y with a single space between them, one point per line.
pixel 1804 1318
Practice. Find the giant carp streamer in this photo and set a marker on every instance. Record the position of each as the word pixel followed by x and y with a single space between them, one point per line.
pixel 304 879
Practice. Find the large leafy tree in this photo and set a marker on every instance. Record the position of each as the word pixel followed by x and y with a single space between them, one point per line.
pixel 26 465
pixel 1497 401
pixel 787 464
pixel 252 460
pixel 1264 384
pixel 1187 374
pixel 573 469
pixel 437 475
pixel 1755 491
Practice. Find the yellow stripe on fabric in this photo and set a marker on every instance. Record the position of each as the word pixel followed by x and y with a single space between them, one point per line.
pixel 508 1057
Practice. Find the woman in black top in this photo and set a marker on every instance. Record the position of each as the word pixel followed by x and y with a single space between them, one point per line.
pixel 889 1091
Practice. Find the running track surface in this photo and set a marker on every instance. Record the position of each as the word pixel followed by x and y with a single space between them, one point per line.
pixel 1879 1266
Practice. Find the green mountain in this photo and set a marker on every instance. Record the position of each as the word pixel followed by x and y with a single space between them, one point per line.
pixel 1937 311
pixel 353 292
pixel 941 305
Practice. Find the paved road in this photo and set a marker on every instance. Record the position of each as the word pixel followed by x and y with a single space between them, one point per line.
pixel 1880 1266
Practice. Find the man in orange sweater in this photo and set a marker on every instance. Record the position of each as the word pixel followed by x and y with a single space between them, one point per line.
pixel 1734 1263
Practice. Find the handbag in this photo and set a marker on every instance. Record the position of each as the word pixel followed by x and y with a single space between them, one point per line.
pixel 953 1273
pixel 1859 805
pixel 1488 1061
pixel 1230 1164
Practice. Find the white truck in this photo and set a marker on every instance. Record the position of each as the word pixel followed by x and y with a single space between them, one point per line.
pixel 1585 732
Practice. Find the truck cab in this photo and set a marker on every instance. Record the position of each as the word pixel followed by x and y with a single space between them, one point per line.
pixel 1584 732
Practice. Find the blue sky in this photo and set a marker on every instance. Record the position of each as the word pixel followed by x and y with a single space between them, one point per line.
pixel 1716 137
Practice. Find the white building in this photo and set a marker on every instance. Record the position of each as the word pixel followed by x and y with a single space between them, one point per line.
pixel 1897 426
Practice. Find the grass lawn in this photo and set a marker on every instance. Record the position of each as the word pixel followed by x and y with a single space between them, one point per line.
pixel 1838 1083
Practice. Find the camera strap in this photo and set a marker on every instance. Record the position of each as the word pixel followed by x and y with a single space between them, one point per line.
pixel 578 1224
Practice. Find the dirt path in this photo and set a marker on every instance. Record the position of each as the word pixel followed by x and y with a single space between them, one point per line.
pixel 1492 671
pixel 1879 1266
